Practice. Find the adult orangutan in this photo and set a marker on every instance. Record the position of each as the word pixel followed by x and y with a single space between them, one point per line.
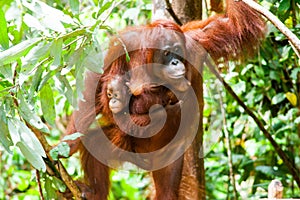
pixel 148 103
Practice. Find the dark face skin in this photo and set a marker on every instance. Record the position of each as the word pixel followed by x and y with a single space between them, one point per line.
pixel 118 95
pixel 171 66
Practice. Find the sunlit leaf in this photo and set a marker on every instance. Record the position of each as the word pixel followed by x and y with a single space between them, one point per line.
pixel 30 116
pixel 62 149
pixel 4 41
pixel 94 59
pixel 284 6
pixel 59 184
pixel 56 50
pixel 292 98
pixel 37 53
pixel 33 157
pixel 74 4
pixel 13 131
pixel 278 98
pixel 47 104
pixel 73 136
pixel 104 7
pixel 64 87
pixel 15 52
pixel 25 135
pixel 5 139
pixel 49 190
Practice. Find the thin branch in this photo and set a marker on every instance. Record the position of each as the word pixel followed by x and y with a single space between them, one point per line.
pixel 38 179
pixel 293 39
pixel 260 123
pixel 172 13
pixel 228 146
pixel 59 166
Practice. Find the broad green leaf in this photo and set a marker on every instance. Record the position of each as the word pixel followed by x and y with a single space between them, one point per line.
pixel 103 8
pixel 284 6
pixel 36 80
pixel 4 41
pixel 240 87
pixel 30 116
pixel 45 79
pixel 268 170
pixel 36 54
pixel 27 136
pixel 292 98
pixel 259 71
pixel 33 22
pixel 12 54
pixel 94 59
pixel 73 136
pixel 7 72
pixel 62 149
pixel 274 75
pixel 13 131
pixel 59 184
pixel 49 190
pixel 238 128
pixel 295 73
pixel 64 88
pixel 56 50
pixel 4 134
pixel 74 4
pixel 278 98
pixel 33 157
pixel 47 104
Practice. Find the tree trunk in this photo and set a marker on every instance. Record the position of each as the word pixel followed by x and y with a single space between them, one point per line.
pixel 192 186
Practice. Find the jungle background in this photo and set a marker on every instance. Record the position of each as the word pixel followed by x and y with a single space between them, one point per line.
pixel 45 48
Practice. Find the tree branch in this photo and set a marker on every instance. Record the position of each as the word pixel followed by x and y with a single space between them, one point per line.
pixel 172 13
pixel 292 168
pixel 58 166
pixel 293 39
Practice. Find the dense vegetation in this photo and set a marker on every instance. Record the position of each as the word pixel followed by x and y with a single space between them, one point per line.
pixel 45 48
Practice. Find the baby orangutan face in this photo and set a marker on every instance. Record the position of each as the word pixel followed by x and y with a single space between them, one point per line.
pixel 118 94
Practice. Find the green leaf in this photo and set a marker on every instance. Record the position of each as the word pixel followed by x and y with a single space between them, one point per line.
pixel 36 80
pixel 74 4
pixel 33 157
pixel 274 75
pixel 62 149
pixel 94 59
pixel 30 116
pixel 27 136
pixel 4 134
pixel 56 50
pixel 13 131
pixel 61 186
pixel 284 6
pixel 37 53
pixel 12 54
pixel 278 98
pixel 265 169
pixel 47 104
pixel 295 73
pixel 4 41
pixel 103 8
pixel 64 88
pixel 49 190
pixel 73 136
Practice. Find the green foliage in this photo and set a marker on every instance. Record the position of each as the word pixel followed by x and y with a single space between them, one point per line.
pixel 269 84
